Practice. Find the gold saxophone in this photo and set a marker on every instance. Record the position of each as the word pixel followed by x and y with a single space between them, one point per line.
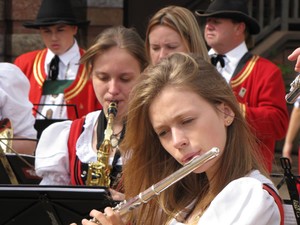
pixel 99 171
pixel 145 196
pixel 6 135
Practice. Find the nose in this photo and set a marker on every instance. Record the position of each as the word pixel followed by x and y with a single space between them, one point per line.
pixel 209 25
pixel 180 140
pixel 53 36
pixel 163 54
pixel 113 88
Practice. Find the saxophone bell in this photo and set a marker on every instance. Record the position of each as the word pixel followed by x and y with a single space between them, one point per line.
pixel 6 135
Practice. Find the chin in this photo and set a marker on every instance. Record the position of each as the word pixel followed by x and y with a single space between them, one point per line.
pixel 199 170
pixel 203 168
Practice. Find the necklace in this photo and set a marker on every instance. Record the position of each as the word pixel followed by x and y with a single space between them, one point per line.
pixel 196 219
pixel 115 139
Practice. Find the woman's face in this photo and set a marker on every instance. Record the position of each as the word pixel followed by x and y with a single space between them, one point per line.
pixel 187 125
pixel 114 73
pixel 163 41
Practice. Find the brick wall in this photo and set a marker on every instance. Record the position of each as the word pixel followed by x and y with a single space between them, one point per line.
pixel 102 14
pixel 16 39
pixel 1 29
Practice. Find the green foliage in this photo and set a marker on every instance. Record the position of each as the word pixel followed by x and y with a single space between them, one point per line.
pixel 286 69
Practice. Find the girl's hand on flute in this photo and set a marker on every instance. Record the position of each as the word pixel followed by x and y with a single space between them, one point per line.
pixel 110 218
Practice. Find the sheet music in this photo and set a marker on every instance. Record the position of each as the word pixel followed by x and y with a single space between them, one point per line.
pixel 289 216
pixel 23 168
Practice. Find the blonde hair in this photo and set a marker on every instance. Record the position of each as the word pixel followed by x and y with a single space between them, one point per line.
pixel 149 163
pixel 184 23
pixel 119 36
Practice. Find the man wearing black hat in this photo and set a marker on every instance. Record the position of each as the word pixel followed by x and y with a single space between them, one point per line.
pixel 55 76
pixel 256 82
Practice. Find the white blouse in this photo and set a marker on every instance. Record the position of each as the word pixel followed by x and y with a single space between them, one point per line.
pixel 52 157
pixel 242 202
pixel 14 101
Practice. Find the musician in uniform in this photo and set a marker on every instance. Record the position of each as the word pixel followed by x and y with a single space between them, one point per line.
pixel 256 82
pixel 55 76
pixel 114 62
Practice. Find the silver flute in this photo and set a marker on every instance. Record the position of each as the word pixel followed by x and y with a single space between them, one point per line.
pixel 143 197
pixel 294 93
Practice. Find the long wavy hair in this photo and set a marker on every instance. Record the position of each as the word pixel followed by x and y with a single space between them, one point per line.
pixel 146 160
pixel 182 21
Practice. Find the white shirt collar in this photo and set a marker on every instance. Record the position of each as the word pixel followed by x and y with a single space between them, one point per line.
pixel 231 60
pixel 71 54
pixel 66 57
pixel 235 55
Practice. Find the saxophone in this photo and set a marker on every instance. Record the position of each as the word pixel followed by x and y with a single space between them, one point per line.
pixel 6 135
pixel 99 171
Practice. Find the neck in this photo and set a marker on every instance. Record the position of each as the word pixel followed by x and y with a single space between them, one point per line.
pixel 224 49
pixel 118 125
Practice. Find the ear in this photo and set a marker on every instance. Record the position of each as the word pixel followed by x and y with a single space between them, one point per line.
pixel 75 30
pixel 241 27
pixel 228 114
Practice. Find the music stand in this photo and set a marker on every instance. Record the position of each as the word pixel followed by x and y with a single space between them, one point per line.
pixel 50 205
pixel 23 168
pixel 291 206
pixel 67 105
pixel 41 124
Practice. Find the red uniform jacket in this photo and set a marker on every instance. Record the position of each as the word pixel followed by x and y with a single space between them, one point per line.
pixel 260 90
pixel 79 93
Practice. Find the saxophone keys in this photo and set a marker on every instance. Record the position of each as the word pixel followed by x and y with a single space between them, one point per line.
pixel 83 174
